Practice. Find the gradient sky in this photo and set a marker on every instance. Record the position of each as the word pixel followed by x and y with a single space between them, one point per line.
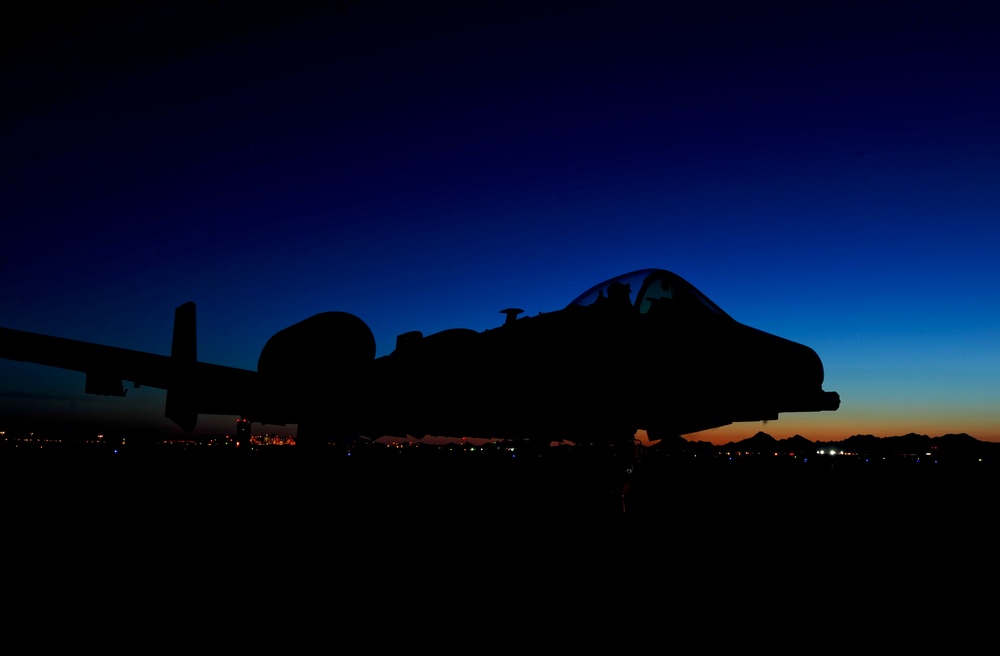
pixel 829 173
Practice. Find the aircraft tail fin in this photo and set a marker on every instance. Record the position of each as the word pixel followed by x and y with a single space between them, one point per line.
pixel 180 405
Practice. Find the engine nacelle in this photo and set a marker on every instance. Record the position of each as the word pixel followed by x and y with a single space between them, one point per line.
pixel 324 347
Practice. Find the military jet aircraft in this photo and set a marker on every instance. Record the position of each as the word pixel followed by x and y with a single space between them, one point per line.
pixel 644 350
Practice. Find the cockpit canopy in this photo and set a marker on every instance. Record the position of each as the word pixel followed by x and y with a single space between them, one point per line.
pixel 646 289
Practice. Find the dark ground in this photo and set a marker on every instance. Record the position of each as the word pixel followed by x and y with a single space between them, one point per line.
pixel 203 490
pixel 209 531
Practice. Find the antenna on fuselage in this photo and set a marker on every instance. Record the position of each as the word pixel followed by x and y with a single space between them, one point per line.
pixel 511 315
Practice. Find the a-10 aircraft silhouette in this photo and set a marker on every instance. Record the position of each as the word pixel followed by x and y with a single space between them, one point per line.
pixel 645 350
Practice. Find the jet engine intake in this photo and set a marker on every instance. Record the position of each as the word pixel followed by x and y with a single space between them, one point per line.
pixel 324 345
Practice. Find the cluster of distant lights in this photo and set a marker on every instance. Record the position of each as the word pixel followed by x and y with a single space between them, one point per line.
pixel 833 453
pixel 470 447
pixel 916 456
pixel 271 439
pixel 39 442
pixel 42 441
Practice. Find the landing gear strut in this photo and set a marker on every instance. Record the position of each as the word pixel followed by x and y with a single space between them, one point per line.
pixel 624 461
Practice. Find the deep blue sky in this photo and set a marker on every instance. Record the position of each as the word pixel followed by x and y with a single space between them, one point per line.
pixel 829 173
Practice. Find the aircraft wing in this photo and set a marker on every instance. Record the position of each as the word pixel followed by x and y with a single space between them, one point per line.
pixel 102 364
pixel 192 386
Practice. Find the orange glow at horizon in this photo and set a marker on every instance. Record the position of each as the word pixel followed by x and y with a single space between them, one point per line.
pixel 827 429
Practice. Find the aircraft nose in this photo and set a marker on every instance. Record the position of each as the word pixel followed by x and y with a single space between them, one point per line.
pixel 811 366
pixel 786 365
pixel 798 379
pixel 804 369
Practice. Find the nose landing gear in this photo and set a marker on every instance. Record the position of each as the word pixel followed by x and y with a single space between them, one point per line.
pixel 624 463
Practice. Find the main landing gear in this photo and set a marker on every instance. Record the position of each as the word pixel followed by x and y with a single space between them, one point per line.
pixel 624 462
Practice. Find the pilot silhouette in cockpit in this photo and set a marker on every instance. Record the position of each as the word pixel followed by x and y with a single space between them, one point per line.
pixel 620 295
pixel 618 300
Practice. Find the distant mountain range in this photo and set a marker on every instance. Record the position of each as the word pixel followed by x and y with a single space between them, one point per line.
pixel 911 444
